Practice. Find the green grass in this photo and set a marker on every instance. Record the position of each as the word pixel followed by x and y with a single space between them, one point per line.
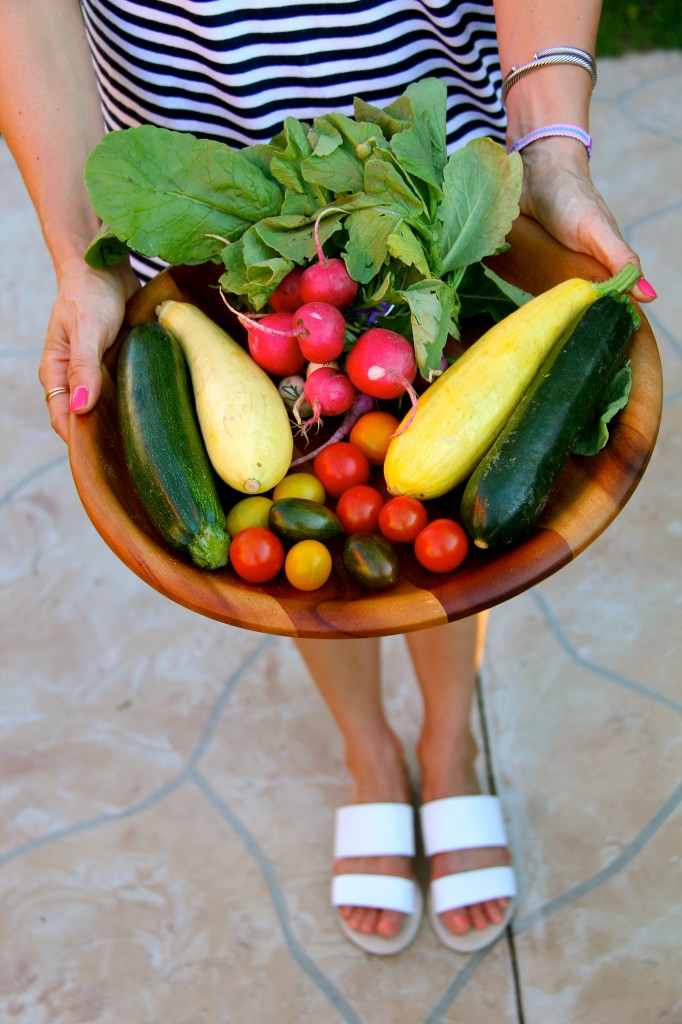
pixel 636 26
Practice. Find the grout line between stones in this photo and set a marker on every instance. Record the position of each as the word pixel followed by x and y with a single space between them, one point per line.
pixel 606 673
pixel 492 786
pixel 25 481
pixel 160 794
pixel 607 873
pixel 296 950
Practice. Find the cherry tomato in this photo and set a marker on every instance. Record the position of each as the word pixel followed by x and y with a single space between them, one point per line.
pixel 252 511
pixel 308 565
pixel 256 554
pixel 402 519
pixel 340 466
pixel 300 485
pixel 441 546
pixel 358 509
pixel 372 434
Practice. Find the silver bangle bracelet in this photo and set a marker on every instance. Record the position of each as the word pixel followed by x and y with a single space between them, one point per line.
pixel 547 58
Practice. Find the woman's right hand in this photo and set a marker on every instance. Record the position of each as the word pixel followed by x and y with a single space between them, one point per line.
pixel 84 323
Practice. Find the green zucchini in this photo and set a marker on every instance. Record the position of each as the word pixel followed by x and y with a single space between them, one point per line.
pixel 511 484
pixel 164 449
pixel 303 519
pixel 371 560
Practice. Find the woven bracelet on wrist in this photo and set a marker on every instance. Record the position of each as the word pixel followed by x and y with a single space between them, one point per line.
pixel 548 58
pixel 571 131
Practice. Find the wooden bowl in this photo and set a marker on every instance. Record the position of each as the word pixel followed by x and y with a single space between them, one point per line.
pixel 589 494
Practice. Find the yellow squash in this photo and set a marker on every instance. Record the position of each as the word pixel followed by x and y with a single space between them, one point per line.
pixel 459 416
pixel 243 420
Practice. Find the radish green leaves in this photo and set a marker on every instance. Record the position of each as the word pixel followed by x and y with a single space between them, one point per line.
pixel 407 219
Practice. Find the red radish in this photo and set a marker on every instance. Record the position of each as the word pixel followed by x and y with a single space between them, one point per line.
pixel 382 363
pixel 286 297
pixel 327 280
pixel 273 344
pixel 329 392
pixel 361 404
pixel 321 331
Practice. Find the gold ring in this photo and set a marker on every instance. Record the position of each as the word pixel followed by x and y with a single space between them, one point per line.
pixel 55 391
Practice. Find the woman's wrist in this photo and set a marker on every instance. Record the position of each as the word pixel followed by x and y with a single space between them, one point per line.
pixel 551 95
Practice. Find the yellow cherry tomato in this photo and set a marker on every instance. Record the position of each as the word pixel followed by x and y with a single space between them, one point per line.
pixel 248 512
pixel 300 485
pixel 308 564
pixel 372 434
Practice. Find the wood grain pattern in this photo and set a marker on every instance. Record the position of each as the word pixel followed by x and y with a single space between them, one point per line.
pixel 588 496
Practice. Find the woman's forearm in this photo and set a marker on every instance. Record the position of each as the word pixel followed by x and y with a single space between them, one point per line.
pixel 548 95
pixel 50 116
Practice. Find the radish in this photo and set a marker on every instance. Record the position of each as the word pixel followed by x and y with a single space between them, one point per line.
pixel 361 404
pixel 329 392
pixel 286 297
pixel 274 345
pixel 382 363
pixel 327 280
pixel 291 389
pixel 321 331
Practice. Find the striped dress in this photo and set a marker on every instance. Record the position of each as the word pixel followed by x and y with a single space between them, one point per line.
pixel 233 72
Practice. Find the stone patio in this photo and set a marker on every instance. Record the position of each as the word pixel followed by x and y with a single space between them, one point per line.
pixel 168 783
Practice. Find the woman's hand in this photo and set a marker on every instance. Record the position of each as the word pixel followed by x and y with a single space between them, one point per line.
pixel 559 193
pixel 84 322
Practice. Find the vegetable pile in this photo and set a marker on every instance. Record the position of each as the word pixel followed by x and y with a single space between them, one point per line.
pixel 322 233
pixel 408 224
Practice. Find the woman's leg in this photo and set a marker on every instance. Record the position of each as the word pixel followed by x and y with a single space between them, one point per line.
pixel 446 660
pixel 347 675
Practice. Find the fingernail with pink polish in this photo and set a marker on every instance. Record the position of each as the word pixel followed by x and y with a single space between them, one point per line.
pixel 79 398
pixel 646 289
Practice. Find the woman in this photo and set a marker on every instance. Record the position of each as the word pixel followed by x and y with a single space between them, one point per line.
pixel 211 67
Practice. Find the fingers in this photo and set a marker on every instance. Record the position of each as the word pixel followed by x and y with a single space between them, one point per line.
pixel 565 201
pixel 58 404
pixel 84 322
pixel 614 252
pixel 71 360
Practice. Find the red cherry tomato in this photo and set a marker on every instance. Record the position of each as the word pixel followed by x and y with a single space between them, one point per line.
pixel 402 519
pixel 358 509
pixel 340 466
pixel 441 546
pixel 256 554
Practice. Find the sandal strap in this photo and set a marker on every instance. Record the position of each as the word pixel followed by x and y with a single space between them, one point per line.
pixel 462 823
pixel 381 892
pixel 469 887
pixel 374 830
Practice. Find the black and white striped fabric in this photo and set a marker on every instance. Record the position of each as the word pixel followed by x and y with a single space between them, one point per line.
pixel 233 72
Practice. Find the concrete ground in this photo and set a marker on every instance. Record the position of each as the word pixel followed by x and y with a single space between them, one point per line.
pixel 167 783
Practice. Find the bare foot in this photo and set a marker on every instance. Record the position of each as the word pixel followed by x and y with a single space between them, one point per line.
pixel 383 780
pixel 461 780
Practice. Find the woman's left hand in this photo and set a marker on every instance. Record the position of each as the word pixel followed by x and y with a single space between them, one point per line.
pixel 559 193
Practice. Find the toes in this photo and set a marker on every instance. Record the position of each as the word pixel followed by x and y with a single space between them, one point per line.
pixel 479 918
pixel 363 919
pixel 389 923
pixel 494 911
pixel 385 923
pixel 457 921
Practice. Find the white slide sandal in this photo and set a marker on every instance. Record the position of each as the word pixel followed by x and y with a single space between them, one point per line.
pixel 377 830
pixel 465 823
